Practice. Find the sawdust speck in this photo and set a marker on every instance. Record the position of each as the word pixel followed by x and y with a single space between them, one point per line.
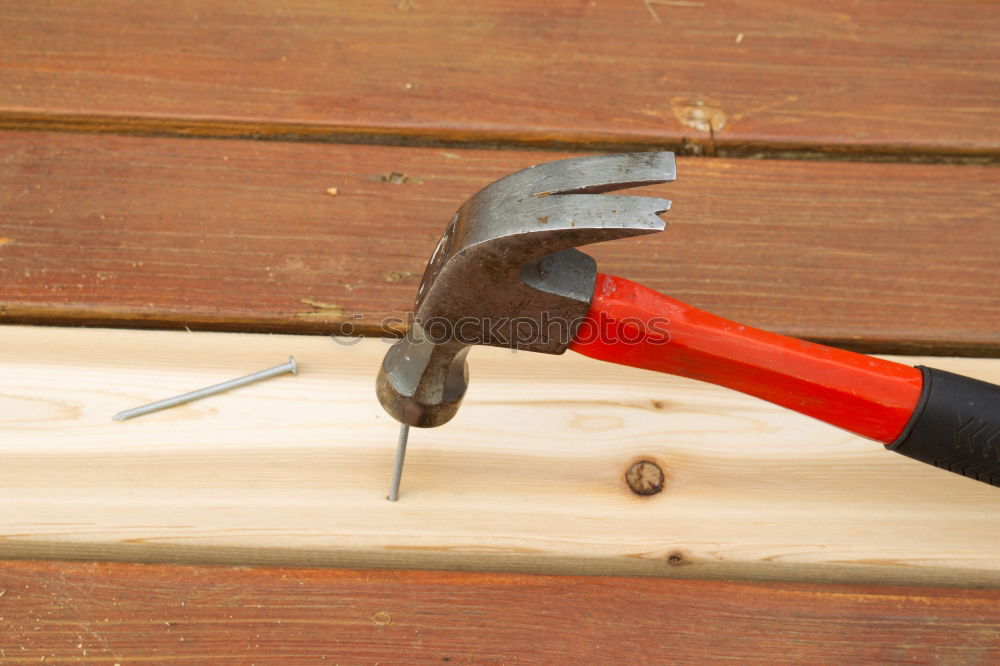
pixel 321 310
pixel 668 3
pixel 396 276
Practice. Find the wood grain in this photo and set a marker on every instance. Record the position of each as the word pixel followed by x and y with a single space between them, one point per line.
pixel 529 477
pixel 236 235
pixel 127 613
pixel 902 76
pixel 244 235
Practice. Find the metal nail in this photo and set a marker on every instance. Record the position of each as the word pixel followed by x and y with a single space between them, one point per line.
pixel 397 469
pixel 290 366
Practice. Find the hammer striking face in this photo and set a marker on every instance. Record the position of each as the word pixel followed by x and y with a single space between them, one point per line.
pixel 505 273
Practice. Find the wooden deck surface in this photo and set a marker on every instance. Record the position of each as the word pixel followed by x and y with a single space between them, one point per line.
pixel 132 613
pixel 899 77
pixel 167 165
pixel 243 235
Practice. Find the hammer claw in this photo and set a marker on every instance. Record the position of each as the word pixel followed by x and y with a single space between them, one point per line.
pixel 601 173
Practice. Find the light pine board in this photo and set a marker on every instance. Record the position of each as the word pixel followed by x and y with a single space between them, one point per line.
pixel 527 478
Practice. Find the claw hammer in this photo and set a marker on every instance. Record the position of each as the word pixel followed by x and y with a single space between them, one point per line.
pixel 506 273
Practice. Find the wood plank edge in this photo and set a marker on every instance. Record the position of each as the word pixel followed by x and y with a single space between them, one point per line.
pixel 168 571
pixel 34 315
pixel 416 137
pixel 677 566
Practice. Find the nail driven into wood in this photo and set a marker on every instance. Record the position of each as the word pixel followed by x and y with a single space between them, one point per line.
pixel 290 366
pixel 397 468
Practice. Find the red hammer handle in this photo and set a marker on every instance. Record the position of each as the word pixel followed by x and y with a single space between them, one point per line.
pixel 631 325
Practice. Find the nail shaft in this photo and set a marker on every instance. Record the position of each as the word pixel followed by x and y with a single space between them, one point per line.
pixel 397 468
pixel 290 366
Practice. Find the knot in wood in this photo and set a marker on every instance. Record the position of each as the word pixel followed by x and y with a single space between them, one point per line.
pixel 644 477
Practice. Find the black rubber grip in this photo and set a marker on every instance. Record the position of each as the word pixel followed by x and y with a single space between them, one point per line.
pixel 956 426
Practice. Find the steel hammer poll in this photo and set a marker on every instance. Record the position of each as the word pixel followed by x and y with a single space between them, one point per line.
pixel 506 273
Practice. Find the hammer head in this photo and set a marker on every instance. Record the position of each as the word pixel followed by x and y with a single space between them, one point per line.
pixel 505 273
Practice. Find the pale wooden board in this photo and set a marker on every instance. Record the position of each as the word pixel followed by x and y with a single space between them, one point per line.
pixel 528 477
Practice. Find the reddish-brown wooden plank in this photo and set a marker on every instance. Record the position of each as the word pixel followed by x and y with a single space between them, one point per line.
pixel 128 613
pixel 901 75
pixel 236 235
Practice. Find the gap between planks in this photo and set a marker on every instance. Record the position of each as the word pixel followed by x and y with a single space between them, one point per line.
pixel 528 477
pixel 524 139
